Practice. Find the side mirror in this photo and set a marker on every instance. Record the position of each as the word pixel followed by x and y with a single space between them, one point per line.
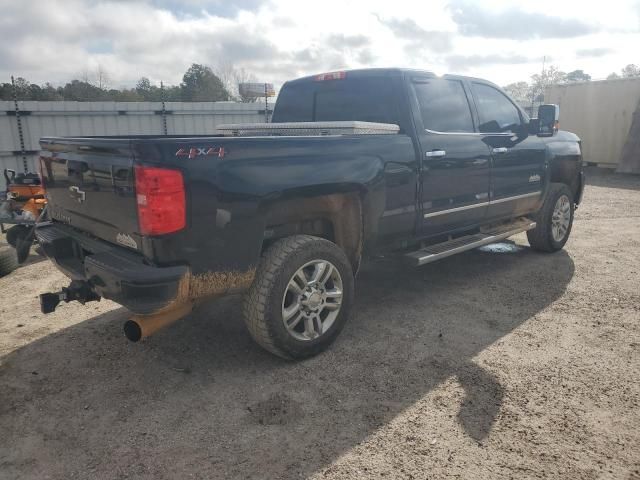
pixel 548 116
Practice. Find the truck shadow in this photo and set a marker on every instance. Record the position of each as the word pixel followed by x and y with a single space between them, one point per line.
pixel 201 398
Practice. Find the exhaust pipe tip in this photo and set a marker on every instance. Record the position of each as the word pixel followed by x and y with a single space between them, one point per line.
pixel 132 330
pixel 141 326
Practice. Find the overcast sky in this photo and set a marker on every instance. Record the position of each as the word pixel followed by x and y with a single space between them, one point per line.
pixel 55 40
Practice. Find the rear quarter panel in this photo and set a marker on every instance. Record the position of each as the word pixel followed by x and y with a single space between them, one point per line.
pixel 229 197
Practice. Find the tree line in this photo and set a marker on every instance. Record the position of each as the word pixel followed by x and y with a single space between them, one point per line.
pixel 528 93
pixel 199 84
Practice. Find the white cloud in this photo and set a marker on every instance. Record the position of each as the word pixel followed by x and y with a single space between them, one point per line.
pixel 275 40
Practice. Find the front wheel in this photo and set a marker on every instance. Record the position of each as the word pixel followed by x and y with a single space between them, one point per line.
pixel 300 298
pixel 554 220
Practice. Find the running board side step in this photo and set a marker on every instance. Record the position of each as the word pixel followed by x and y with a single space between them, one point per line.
pixel 451 247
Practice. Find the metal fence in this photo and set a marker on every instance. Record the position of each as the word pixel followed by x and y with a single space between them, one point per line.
pixel 22 128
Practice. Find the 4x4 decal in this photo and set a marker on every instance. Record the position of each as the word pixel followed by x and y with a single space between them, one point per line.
pixel 193 152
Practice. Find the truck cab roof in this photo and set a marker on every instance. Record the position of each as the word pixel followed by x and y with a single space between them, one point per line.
pixel 377 95
pixel 386 71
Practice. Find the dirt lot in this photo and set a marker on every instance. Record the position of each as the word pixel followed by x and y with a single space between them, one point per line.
pixel 486 365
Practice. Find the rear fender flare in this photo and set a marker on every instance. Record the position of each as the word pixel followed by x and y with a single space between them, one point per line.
pixel 344 210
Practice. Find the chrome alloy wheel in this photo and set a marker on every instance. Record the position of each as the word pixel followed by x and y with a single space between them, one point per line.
pixel 312 300
pixel 561 218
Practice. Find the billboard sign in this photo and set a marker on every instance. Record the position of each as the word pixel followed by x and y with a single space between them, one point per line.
pixel 256 90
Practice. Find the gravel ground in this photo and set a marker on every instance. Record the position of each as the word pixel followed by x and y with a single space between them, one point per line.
pixel 490 364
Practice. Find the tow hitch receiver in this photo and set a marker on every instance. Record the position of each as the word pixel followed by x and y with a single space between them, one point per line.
pixel 77 290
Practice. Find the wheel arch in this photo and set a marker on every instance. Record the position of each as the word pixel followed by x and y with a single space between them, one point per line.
pixel 566 166
pixel 335 214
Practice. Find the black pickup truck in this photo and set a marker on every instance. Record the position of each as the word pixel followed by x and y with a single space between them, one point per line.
pixel 355 163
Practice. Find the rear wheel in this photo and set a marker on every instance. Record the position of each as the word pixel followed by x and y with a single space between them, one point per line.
pixel 554 220
pixel 8 260
pixel 300 298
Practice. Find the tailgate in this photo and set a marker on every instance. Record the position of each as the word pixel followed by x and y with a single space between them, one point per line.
pixel 90 185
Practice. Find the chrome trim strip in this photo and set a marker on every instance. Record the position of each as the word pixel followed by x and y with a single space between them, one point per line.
pixel 473 134
pixel 517 197
pixel 482 204
pixel 457 209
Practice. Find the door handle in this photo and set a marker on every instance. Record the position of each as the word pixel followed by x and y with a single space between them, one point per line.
pixel 436 154
pixel 500 150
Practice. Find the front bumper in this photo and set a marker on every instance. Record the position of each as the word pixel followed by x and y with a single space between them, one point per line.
pixel 112 272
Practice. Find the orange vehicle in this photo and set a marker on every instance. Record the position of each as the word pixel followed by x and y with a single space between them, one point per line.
pixel 21 206
pixel 26 193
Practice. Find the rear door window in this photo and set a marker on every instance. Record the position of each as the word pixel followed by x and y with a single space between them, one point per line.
pixel 367 99
pixel 443 105
pixel 496 112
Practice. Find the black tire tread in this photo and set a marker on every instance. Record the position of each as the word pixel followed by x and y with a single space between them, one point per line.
pixel 256 301
pixel 540 238
pixel 8 260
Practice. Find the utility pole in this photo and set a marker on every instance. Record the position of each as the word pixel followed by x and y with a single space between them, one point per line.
pixel 164 109
pixel 534 93
pixel 25 166
pixel 266 103
pixel 543 80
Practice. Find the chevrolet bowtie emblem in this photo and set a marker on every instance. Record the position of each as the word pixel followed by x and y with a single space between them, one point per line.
pixel 77 194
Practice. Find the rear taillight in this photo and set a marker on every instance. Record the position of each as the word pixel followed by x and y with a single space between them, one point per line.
pixel 161 200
